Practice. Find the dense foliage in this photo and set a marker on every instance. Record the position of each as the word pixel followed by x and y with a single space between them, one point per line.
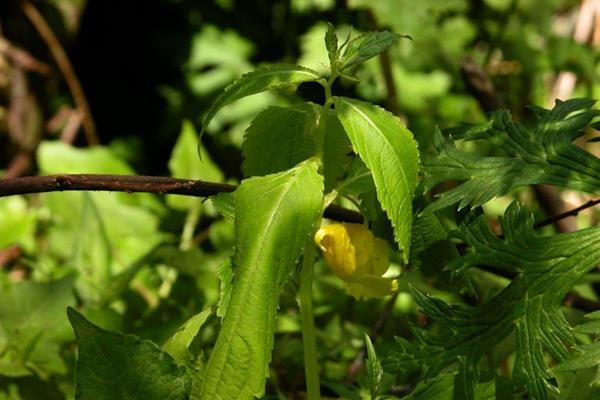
pixel 447 289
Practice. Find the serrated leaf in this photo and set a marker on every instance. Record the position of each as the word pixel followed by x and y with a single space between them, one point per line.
pixel 177 345
pixel 374 370
pixel 541 155
pixel 115 366
pixel 280 138
pixel 547 269
pixel 266 78
pixel 367 46
pixel 274 215
pixel 390 152
pixel 331 44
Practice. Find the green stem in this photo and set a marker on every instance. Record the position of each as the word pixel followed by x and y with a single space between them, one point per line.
pixel 186 243
pixel 309 341
pixel 191 221
pixel 322 127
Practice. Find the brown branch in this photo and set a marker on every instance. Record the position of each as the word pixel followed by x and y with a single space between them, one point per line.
pixel 22 58
pixel 111 183
pixel 62 60
pixel 569 213
pixel 137 183
pixel 549 199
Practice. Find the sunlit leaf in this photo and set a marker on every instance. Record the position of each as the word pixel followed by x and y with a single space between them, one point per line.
pixel 266 78
pixel 390 152
pixel 273 216
pixel 178 343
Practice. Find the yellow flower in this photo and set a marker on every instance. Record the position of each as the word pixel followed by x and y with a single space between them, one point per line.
pixel 357 257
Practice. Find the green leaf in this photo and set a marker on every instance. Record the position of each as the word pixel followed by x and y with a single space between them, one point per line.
pixel 585 356
pixel 592 327
pixel 225 275
pixel 547 268
pixel 366 46
pixel 374 370
pixel 542 155
pixel 390 152
pixel 225 205
pixel 266 78
pixel 359 179
pixel 331 44
pixel 273 217
pixel 179 342
pixel 33 327
pixel 280 138
pixel 185 163
pixel 115 366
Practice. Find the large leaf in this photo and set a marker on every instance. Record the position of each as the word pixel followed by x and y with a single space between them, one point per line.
pixel 529 306
pixel 114 366
pixel 265 78
pixel 543 154
pixel 274 215
pixel 279 138
pixel 390 152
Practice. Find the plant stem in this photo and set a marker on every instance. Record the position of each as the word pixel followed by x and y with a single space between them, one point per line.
pixel 321 130
pixel 191 221
pixel 309 342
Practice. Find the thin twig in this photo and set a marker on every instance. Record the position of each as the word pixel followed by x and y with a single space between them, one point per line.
pixel 137 183
pixel 22 58
pixel 569 213
pixel 62 60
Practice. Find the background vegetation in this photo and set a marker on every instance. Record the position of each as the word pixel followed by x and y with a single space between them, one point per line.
pixel 147 72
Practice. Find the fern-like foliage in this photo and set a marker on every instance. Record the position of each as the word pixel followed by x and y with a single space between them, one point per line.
pixel 542 155
pixel 547 268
